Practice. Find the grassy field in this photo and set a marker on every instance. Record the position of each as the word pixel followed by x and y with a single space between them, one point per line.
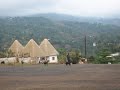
pixel 60 77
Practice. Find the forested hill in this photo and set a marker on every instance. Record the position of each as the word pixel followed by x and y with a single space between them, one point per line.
pixel 63 17
pixel 66 34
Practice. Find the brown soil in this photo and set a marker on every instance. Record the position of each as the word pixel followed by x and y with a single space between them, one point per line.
pixel 60 77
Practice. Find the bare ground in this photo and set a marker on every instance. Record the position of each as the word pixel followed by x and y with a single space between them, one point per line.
pixel 60 77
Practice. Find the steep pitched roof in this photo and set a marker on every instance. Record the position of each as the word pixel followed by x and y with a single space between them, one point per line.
pixel 16 48
pixel 32 49
pixel 47 48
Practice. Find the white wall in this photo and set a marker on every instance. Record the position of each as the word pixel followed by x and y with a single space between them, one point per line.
pixel 8 60
pixel 4 59
pixel 25 60
pixel 50 58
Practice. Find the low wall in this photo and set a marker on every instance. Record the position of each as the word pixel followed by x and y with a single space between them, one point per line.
pixel 8 60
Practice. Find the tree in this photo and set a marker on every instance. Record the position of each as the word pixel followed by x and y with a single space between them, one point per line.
pixel 91 59
pixel 75 56
pixel 101 57
pixel 2 55
pixel 62 55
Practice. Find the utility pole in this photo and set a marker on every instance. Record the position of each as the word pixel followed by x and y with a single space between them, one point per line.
pixel 85 47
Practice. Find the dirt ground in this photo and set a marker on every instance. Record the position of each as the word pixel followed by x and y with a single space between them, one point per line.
pixel 60 77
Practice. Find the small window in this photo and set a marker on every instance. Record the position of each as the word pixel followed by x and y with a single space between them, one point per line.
pixel 53 58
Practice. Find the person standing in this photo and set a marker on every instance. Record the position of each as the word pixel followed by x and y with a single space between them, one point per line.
pixel 68 61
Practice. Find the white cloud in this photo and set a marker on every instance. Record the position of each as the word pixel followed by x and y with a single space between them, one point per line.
pixel 24 7
pixel 89 7
pixel 74 7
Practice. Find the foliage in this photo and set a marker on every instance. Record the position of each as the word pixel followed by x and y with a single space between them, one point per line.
pixel 75 56
pixel 91 59
pixel 102 58
pixel 10 53
pixel 6 53
pixel 2 55
pixel 62 55
pixel 116 60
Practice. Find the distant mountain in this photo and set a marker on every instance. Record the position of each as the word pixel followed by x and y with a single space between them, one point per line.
pixel 58 17
pixel 64 17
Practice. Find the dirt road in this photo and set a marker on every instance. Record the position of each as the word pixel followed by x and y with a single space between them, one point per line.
pixel 60 77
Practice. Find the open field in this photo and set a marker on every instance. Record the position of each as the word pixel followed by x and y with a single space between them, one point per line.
pixel 60 77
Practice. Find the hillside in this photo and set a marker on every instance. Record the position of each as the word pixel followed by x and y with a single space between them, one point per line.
pixel 64 17
pixel 68 34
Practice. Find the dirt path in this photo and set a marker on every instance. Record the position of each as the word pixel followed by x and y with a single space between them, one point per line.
pixel 60 77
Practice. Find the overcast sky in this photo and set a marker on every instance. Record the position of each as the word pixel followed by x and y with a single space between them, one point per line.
pixel 97 8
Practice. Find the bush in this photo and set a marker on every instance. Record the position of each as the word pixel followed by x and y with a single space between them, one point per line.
pixel 75 56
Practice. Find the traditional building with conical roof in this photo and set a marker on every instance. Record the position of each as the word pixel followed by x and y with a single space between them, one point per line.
pixel 16 48
pixel 33 52
pixel 48 52
pixel 32 49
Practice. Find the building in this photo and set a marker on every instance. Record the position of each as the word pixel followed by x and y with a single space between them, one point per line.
pixel 32 50
pixel 16 48
pixel 48 52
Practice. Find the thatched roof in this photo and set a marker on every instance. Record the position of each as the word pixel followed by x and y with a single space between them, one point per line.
pixel 32 49
pixel 47 48
pixel 16 48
